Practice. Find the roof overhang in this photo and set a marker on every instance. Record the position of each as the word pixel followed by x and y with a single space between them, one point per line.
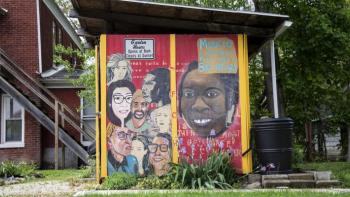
pixel 56 11
pixel 141 17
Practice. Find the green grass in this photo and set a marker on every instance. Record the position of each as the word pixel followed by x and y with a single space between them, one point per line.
pixel 60 175
pixel 230 194
pixel 340 170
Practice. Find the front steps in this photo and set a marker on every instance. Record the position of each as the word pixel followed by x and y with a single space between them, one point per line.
pixel 309 179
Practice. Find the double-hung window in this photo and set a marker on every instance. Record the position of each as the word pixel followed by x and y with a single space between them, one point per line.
pixel 12 123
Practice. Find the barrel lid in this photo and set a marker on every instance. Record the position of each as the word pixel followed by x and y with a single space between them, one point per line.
pixel 272 120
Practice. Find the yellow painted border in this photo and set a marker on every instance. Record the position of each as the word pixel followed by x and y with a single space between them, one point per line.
pixel 244 102
pixel 97 116
pixel 103 71
pixel 175 154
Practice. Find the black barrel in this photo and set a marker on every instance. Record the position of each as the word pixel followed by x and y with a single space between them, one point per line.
pixel 273 143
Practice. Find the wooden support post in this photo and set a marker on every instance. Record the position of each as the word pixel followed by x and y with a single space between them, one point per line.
pixel 63 160
pixel 56 134
pixel 62 116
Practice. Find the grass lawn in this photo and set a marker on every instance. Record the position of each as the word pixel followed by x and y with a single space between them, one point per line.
pixel 340 170
pixel 230 194
pixel 60 175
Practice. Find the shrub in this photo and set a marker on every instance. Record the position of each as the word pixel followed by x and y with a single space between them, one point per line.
pixel 119 180
pixel 298 155
pixel 216 172
pixel 22 169
pixel 90 169
pixel 154 182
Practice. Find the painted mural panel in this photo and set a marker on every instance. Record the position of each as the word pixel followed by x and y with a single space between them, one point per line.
pixel 138 104
pixel 208 97
pixel 139 82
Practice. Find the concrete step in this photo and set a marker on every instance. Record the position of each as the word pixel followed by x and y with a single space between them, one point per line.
pixel 301 176
pixel 274 177
pixel 275 183
pixel 327 183
pixel 302 183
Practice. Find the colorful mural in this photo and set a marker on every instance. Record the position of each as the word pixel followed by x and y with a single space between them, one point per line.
pixel 151 122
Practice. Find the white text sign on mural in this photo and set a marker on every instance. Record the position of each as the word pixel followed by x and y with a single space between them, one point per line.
pixel 139 49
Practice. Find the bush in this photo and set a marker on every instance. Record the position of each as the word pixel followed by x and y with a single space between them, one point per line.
pixel 154 182
pixel 90 169
pixel 216 172
pixel 119 180
pixel 22 169
pixel 298 155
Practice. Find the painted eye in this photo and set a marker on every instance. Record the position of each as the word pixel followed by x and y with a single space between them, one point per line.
pixel 212 93
pixel 188 93
pixel 128 99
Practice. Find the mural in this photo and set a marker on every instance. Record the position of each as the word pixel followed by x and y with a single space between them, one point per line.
pixel 138 105
pixel 139 135
pixel 208 97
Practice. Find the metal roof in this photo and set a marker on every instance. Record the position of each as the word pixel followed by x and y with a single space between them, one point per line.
pixel 143 17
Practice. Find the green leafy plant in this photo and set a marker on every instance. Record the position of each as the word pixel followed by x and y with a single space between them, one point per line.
pixel 216 172
pixel 90 169
pixel 154 182
pixel 21 169
pixel 119 180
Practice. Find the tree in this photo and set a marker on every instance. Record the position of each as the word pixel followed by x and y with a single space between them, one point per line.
pixel 85 61
pixel 314 62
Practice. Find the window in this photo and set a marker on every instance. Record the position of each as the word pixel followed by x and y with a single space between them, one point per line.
pixel 12 123
pixel 88 115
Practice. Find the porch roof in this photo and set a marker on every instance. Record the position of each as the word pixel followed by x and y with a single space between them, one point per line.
pixel 144 17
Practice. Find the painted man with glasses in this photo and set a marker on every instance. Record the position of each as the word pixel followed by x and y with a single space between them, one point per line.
pixel 159 153
pixel 119 148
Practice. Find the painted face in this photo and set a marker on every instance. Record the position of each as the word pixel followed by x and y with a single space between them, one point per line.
pixel 121 141
pixel 163 120
pixel 139 109
pixel 138 150
pixel 148 86
pixel 121 101
pixel 120 70
pixel 203 103
pixel 159 155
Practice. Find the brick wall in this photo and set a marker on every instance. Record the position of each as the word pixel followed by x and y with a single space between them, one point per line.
pixel 18 37
pixel 71 99
pixel 47 36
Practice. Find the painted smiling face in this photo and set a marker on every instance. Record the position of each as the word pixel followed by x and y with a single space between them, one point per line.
pixel 139 110
pixel 159 155
pixel 121 101
pixel 203 103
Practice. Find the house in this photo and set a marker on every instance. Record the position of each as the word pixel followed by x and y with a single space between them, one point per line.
pixel 37 96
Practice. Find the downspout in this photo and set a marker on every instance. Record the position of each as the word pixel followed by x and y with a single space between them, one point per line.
pixel 280 30
pixel 39 35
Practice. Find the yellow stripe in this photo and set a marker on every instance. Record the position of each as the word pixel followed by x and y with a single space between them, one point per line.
pixel 97 94
pixel 103 71
pixel 244 102
pixel 173 98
